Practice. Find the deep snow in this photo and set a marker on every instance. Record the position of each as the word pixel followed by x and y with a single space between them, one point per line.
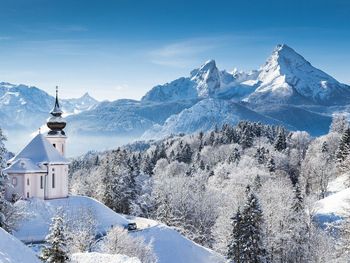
pixel 169 245
pixel 14 251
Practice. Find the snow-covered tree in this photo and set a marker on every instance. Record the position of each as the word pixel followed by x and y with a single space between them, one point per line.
pixel 9 214
pixel 251 234
pixel 80 229
pixel 339 123
pixel 344 146
pixel 118 241
pixel 56 249
pixel 235 249
pixel 280 143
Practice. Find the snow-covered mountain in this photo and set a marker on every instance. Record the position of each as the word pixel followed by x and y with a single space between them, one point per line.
pixel 77 105
pixel 24 106
pixel 205 115
pixel 204 82
pixel 286 90
pixel 288 78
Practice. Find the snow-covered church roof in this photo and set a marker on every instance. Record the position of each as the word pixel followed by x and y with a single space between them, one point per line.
pixel 40 151
pixel 24 165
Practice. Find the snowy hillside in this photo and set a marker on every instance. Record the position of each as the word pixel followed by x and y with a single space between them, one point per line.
pixel 124 117
pixel 337 204
pixel 168 244
pixel 205 115
pixel 95 257
pixel 14 251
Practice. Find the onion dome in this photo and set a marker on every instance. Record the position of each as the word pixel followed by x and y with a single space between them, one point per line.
pixel 56 122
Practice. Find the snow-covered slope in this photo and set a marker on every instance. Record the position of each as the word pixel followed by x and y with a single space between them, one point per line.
pixel 14 251
pixel 95 257
pixel 169 246
pixel 124 117
pixel 172 247
pixel 288 78
pixel 36 225
pixel 205 115
pixel 337 204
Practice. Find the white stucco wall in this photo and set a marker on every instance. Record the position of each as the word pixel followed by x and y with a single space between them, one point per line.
pixel 59 142
pixel 22 188
pixel 61 181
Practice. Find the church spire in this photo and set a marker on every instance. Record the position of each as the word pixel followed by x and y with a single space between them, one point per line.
pixel 56 122
pixel 56 111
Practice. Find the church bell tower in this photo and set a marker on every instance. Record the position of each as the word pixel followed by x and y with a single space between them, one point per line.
pixel 56 123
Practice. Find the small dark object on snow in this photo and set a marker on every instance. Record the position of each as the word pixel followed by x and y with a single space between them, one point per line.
pixel 132 226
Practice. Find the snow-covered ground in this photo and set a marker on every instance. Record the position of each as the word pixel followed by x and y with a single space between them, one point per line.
pixel 95 257
pixel 36 225
pixel 169 246
pixel 14 251
pixel 337 204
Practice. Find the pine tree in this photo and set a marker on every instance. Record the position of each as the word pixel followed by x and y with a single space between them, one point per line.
pixel 56 250
pixel 7 210
pixel 344 146
pixel 281 143
pixel 252 237
pixel 247 137
pixel 298 227
pixel 235 249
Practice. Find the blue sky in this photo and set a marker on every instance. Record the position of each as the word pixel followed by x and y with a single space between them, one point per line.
pixel 122 48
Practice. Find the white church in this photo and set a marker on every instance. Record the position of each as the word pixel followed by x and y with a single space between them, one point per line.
pixel 41 168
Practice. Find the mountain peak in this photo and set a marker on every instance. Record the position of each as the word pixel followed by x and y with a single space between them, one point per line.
pixel 285 57
pixel 207 78
pixel 287 76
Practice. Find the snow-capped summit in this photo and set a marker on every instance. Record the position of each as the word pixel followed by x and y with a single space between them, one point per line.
pixel 287 77
pixel 207 78
pixel 76 105
pixel 204 82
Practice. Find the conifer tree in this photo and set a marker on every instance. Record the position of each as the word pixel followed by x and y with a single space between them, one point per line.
pixel 8 213
pixel 298 227
pixel 235 246
pixel 252 237
pixel 281 143
pixel 344 146
pixel 56 250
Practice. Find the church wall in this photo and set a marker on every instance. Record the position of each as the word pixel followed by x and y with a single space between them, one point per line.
pixel 59 142
pixel 18 187
pixel 60 174
pixel 34 188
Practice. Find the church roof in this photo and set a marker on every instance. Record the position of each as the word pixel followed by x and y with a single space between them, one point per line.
pixel 40 150
pixel 24 165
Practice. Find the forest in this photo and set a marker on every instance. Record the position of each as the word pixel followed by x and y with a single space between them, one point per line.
pixel 246 191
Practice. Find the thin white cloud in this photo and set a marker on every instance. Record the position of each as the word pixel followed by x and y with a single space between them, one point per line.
pixel 184 53
pixel 4 38
pixel 71 28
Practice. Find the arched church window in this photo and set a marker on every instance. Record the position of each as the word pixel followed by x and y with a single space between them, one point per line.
pixel 14 181
pixel 27 181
